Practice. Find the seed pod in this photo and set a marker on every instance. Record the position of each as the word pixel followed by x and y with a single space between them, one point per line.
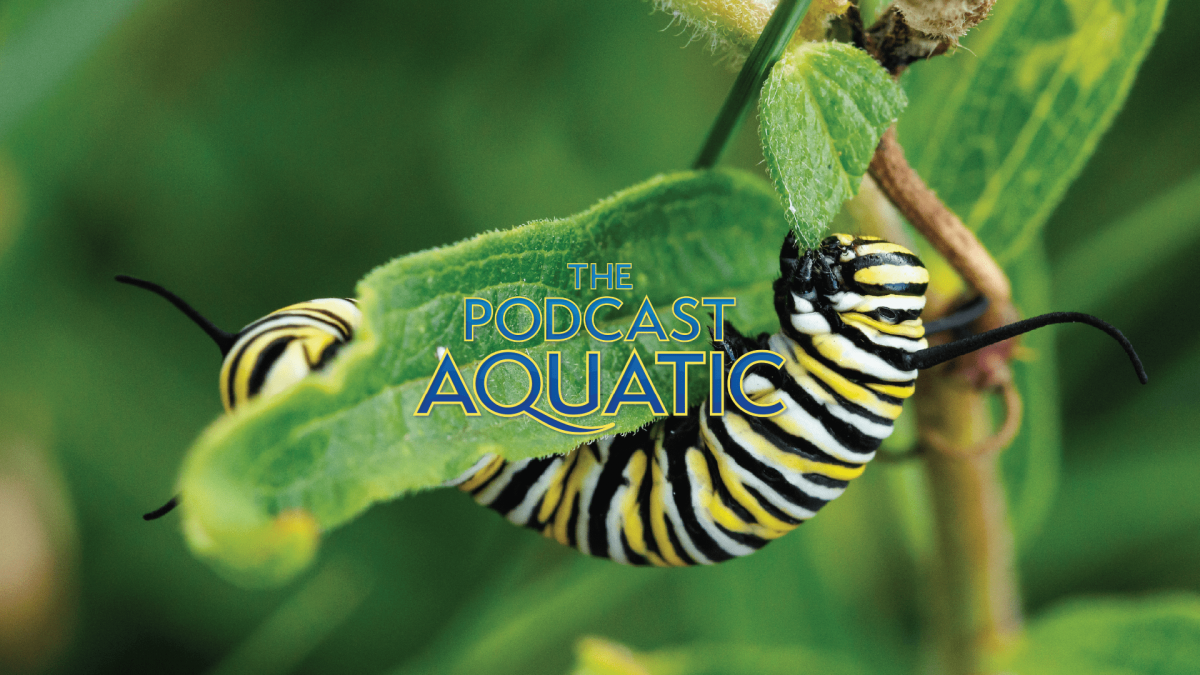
pixel 947 20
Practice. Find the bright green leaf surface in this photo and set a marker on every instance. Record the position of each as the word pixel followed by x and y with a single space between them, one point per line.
pixel 822 111
pixel 261 484
pixel 1114 637
pixel 1000 131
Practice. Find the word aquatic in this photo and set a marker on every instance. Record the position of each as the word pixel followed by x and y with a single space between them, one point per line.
pixel 633 387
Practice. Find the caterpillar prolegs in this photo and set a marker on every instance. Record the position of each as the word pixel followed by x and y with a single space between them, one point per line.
pixel 700 488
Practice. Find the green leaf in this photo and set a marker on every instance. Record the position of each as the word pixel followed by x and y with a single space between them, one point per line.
pixel 1113 637
pixel 1032 463
pixel 1001 128
pixel 262 483
pixel 597 656
pixel 822 111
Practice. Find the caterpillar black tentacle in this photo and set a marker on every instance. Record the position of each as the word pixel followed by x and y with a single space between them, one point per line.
pixel 942 353
pixel 162 510
pixel 223 339
pixel 701 488
pixel 270 354
pixel 960 318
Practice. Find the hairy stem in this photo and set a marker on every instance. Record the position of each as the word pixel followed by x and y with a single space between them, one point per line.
pixel 731 25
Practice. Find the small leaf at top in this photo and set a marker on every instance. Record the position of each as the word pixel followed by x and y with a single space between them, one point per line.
pixel 822 112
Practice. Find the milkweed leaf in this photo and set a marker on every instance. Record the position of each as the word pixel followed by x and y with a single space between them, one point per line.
pixel 1001 131
pixel 261 484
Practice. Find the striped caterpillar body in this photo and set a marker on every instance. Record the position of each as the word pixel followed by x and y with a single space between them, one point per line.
pixel 700 488
pixel 279 349
pixel 703 489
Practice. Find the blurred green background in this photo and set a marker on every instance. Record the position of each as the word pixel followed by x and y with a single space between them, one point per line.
pixel 252 154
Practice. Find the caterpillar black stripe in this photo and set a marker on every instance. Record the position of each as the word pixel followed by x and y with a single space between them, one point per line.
pixel 698 489
pixel 703 489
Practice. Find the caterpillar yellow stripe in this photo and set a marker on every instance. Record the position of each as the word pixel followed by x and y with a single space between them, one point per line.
pixel 721 487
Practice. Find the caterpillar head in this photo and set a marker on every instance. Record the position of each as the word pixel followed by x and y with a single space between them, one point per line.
pixel 880 287
pixel 881 281
pixel 276 351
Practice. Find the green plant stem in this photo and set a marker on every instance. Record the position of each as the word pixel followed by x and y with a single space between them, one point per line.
pixel 767 51
pixel 970 579
pixel 975 611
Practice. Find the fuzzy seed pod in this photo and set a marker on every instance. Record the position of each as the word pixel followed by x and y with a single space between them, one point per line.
pixel 947 20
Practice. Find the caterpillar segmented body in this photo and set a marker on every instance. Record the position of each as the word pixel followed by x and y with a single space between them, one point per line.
pixel 279 349
pixel 700 488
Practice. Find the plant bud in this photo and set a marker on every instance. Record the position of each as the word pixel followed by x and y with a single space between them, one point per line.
pixel 947 20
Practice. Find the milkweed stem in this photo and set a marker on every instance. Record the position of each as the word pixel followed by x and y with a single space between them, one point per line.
pixel 976 607
pixel 975 611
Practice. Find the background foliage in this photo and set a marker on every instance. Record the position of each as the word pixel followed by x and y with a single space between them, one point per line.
pixel 249 155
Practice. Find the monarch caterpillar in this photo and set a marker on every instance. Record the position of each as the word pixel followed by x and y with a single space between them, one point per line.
pixel 700 488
